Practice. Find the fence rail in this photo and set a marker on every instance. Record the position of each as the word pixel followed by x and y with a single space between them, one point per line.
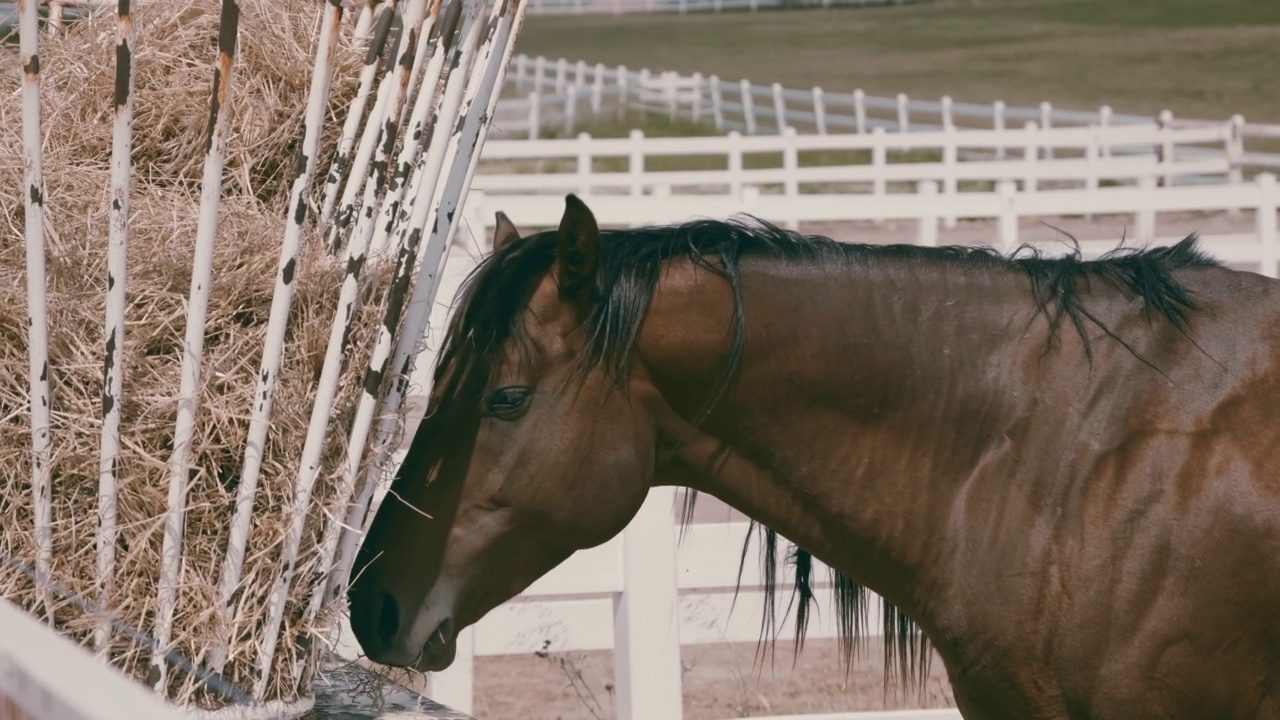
pixel 552 92
pixel 44 676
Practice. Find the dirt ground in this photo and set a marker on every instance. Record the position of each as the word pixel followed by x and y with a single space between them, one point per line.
pixel 720 682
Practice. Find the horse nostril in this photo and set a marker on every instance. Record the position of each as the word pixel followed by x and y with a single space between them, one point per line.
pixel 388 620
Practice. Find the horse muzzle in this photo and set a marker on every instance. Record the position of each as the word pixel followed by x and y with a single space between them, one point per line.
pixel 440 649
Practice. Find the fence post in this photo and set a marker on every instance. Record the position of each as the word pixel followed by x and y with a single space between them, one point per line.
pixel 522 69
pixel 860 110
pixel 748 108
pixel 646 626
pixel 791 172
pixel 997 123
pixel 928 218
pixel 950 162
pixel 1046 122
pixel 695 110
pixel 1235 150
pixel 1146 215
pixel 1008 232
pixel 1266 219
pixel 584 164
pixel 780 108
pixel 642 89
pixel 597 91
pixel 669 88
pixel 1104 122
pixel 579 75
pixel 562 67
pixel 624 90
pixel 535 115
pixel 1164 151
pixel 1091 161
pixel 717 111
pixel 878 159
pixel 819 111
pixel 570 111
pixel 539 73
pixel 948 122
pixel 1029 155
pixel 904 113
pixel 635 162
pixel 735 164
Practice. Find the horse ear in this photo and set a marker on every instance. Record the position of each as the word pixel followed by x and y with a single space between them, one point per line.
pixel 504 231
pixel 577 251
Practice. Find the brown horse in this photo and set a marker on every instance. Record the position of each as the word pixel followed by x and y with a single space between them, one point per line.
pixel 1063 470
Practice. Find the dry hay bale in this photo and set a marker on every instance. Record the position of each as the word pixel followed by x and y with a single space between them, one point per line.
pixel 174 59
pixel 176 47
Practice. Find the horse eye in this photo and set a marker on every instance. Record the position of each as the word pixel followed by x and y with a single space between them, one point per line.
pixel 507 403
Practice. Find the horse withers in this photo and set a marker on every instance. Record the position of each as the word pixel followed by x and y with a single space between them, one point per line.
pixel 1063 473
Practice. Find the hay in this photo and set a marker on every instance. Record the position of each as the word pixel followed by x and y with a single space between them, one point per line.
pixel 176 49
pixel 176 46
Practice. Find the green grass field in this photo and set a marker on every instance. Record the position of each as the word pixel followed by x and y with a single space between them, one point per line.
pixel 1198 58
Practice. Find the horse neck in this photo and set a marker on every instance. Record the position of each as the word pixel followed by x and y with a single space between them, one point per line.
pixel 864 400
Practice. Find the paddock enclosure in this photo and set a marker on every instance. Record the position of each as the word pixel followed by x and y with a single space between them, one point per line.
pixel 224 237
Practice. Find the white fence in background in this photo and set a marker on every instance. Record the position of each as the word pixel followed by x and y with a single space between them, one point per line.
pixel 582 7
pixel 45 676
pixel 556 94
pixel 1006 205
pixel 1086 157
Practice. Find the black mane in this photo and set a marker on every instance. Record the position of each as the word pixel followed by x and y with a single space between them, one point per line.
pixel 493 298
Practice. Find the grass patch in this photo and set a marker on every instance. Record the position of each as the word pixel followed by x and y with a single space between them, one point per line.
pixel 1196 58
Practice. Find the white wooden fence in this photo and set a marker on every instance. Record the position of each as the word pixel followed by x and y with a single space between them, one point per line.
pixel 1086 157
pixel 557 93
pixel 45 676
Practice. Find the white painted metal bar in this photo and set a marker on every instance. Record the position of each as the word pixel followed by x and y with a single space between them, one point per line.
pixel 326 391
pixel 472 135
pixel 197 308
pixel 430 29
pixel 406 256
pixel 364 22
pixel 342 156
pixel 427 115
pixel 373 138
pixel 117 280
pixel 37 309
pixel 408 236
pixel 375 184
pixel 281 301
pixel 340 217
